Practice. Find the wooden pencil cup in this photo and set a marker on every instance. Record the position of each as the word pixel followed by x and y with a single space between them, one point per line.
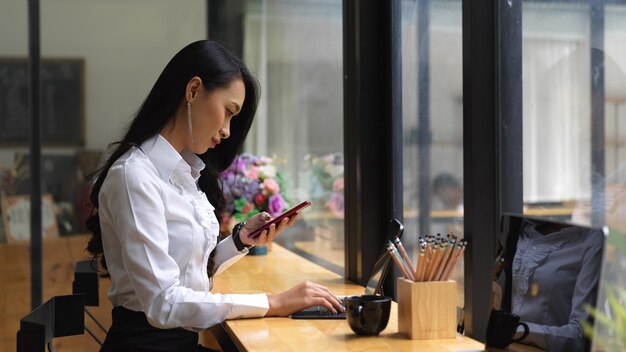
pixel 427 310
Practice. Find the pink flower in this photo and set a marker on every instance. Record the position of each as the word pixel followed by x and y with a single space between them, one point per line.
pixel 338 185
pixel 270 186
pixel 275 205
pixel 253 173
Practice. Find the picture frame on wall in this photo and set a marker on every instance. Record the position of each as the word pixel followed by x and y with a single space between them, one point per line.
pixel 16 217
pixel 62 102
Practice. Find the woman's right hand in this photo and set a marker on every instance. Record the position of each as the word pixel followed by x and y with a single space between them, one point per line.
pixel 301 296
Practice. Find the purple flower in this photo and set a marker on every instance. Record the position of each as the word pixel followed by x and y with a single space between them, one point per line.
pixel 275 205
pixel 229 200
pixel 251 189
pixel 228 179
pixel 240 165
pixel 228 174
pixel 336 204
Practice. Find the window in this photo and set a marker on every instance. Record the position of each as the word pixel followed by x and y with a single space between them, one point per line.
pixel 573 128
pixel 432 105
pixel 556 107
pixel 295 49
pixel 574 106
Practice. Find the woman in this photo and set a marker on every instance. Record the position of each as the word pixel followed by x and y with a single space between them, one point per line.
pixel 155 227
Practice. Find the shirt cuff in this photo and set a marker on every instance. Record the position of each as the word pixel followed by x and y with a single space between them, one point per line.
pixel 248 306
pixel 227 254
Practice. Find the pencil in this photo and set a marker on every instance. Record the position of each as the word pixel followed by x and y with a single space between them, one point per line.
pixel 450 265
pixel 444 261
pixel 456 260
pixel 421 264
pixel 404 255
pixel 404 264
pixel 448 256
pixel 436 261
pixel 428 251
pixel 396 258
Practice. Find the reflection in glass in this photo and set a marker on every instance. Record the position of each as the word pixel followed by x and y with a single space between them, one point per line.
pixel 574 66
pixel 550 276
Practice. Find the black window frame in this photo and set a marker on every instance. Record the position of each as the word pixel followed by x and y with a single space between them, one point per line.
pixel 492 143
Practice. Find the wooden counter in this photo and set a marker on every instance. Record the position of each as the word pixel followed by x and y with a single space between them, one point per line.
pixel 281 270
pixel 273 273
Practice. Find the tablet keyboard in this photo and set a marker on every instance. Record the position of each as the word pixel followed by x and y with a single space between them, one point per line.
pixel 319 312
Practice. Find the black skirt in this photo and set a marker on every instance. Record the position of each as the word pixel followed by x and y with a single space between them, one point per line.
pixel 130 331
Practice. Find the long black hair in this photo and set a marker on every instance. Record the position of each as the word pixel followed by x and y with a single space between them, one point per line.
pixel 217 68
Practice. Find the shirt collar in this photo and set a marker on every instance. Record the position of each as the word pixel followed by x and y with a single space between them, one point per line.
pixel 566 234
pixel 194 162
pixel 166 159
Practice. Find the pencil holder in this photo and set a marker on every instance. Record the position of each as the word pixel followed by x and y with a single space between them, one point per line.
pixel 427 310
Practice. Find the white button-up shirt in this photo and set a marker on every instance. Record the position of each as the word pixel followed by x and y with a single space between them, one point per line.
pixel 158 230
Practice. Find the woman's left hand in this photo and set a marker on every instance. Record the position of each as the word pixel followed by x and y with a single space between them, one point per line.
pixel 259 220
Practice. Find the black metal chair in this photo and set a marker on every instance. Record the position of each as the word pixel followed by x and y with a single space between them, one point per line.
pixel 57 317
pixel 86 282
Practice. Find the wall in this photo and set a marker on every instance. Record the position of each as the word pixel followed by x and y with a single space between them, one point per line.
pixel 125 45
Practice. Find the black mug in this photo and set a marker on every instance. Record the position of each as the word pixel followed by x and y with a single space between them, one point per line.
pixel 368 314
pixel 502 327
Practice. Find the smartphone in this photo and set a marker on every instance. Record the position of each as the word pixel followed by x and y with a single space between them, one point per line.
pixel 395 229
pixel 276 220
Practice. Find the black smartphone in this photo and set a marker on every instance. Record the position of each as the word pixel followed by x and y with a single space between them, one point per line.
pixel 395 228
pixel 375 282
pixel 276 220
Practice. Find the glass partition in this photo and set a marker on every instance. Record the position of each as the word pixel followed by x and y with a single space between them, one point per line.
pixel 99 60
pixel 432 108
pixel 15 275
pixel 295 49
pixel 607 334
pixel 574 87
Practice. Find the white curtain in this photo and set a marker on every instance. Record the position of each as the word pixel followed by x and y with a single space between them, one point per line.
pixel 556 119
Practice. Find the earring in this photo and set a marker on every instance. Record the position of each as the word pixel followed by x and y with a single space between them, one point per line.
pixel 189 120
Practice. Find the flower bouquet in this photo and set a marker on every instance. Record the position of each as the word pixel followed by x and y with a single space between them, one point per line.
pixel 326 189
pixel 326 182
pixel 251 185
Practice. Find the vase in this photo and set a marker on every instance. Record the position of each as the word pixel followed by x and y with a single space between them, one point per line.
pixel 258 250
